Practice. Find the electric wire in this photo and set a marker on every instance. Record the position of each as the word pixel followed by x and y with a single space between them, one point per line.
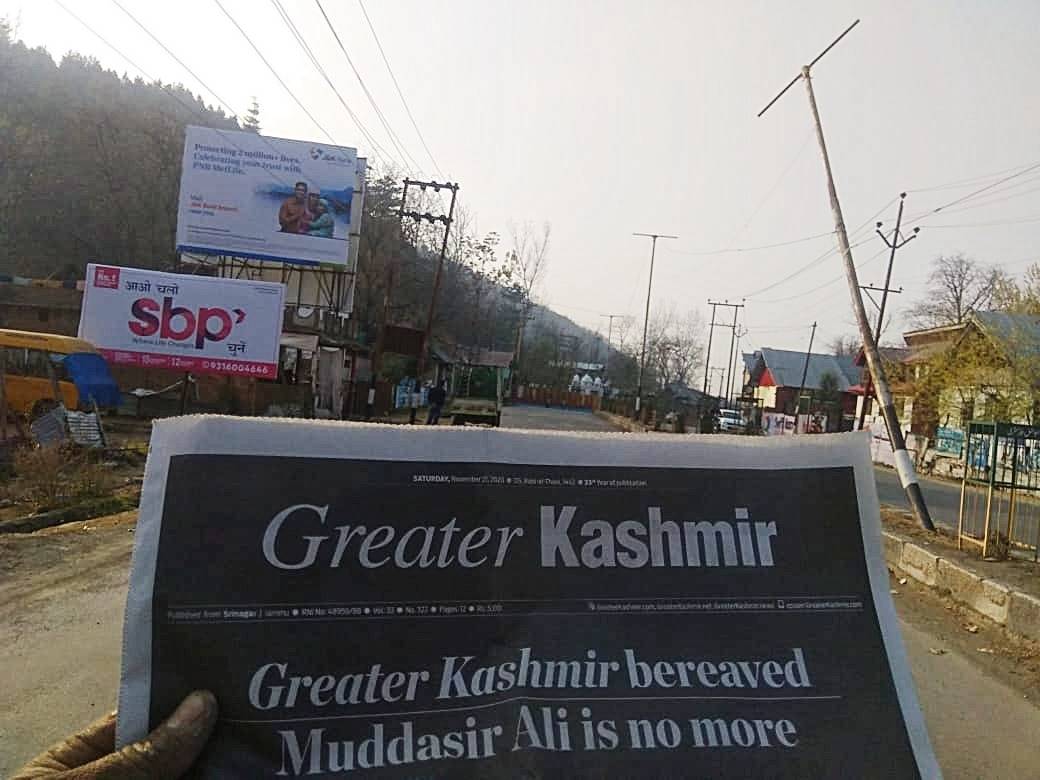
pixel 364 88
pixel 378 150
pixel 400 93
pixel 273 71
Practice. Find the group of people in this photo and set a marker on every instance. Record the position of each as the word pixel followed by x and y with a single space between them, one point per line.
pixel 305 213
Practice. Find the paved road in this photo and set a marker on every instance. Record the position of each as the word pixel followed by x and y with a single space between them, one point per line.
pixel 540 418
pixel 943 499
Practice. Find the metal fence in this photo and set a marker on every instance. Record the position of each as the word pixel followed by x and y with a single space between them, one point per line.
pixel 1000 490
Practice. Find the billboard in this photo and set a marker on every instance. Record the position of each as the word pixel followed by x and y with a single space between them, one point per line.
pixel 201 324
pixel 249 195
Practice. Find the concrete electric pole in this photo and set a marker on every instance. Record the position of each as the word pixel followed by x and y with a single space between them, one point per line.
pixel 732 338
pixel 646 319
pixel 897 242
pixel 904 464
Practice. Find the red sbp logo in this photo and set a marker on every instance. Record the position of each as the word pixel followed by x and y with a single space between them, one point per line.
pixel 210 323
pixel 106 277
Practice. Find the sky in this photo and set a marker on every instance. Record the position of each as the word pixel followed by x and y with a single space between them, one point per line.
pixel 607 118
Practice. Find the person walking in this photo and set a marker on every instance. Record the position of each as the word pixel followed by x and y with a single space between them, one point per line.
pixel 437 396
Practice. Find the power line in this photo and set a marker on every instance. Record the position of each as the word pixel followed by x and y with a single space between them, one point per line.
pixel 321 71
pixel 801 240
pixel 168 89
pixel 820 258
pixel 862 264
pixel 966 182
pixel 386 125
pixel 986 224
pixel 990 201
pixel 773 187
pixel 975 193
pixel 273 71
pixel 400 94
pixel 179 61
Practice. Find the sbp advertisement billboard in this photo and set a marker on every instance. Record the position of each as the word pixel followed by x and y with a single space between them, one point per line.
pixel 249 195
pixel 201 324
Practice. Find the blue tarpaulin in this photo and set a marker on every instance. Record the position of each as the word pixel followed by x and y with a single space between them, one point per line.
pixel 92 378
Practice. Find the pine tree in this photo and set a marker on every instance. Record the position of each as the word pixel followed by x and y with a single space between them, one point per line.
pixel 251 122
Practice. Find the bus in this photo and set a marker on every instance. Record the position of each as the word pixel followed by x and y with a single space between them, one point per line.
pixel 34 363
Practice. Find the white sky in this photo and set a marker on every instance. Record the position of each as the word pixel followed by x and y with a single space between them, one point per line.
pixel 605 118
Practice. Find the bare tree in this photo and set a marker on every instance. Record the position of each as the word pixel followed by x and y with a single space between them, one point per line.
pixel 674 346
pixel 846 345
pixel 957 286
pixel 526 263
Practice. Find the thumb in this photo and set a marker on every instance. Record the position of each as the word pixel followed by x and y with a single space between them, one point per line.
pixel 169 751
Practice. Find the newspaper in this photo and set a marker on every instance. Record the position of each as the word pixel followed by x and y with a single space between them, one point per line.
pixel 385 601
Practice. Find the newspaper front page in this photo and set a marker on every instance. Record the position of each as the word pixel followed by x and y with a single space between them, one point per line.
pixel 383 601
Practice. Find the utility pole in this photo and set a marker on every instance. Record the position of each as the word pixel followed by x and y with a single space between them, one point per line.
pixel 610 332
pixel 732 336
pixel 377 351
pixel 722 374
pixel 904 464
pixel 707 358
pixel 897 242
pixel 432 219
pixel 741 332
pixel 646 318
pixel 805 372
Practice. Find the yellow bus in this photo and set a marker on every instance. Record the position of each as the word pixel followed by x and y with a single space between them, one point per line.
pixel 33 362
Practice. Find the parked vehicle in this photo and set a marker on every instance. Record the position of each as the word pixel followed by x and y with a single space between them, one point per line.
pixel 479 401
pixel 37 364
pixel 731 421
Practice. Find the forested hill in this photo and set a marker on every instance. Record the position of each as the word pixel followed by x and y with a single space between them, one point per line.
pixel 90 163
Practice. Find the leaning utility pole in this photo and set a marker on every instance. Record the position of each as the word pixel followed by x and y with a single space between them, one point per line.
pixel 904 465
pixel 732 337
pixel 446 221
pixel 646 319
pixel 801 387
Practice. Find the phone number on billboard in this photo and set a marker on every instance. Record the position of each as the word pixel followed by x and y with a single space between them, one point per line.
pixel 237 368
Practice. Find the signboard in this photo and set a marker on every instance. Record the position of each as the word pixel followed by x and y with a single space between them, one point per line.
pixel 387 602
pixel 250 195
pixel 949 441
pixel 200 324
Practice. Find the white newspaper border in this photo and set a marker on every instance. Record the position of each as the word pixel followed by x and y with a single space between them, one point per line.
pixel 220 435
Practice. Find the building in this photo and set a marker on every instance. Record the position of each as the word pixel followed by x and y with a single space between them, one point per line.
pixel 774 377
pixel 899 372
pixel 985 368
pixel 40 305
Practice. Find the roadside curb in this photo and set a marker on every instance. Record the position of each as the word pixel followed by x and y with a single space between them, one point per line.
pixel 1017 611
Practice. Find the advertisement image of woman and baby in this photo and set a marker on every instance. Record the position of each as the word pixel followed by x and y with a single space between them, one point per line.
pixel 305 213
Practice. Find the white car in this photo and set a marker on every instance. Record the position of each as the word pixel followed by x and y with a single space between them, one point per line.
pixel 731 421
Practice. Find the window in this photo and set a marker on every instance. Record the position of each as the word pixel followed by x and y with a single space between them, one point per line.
pixel 36 364
pixel 14 363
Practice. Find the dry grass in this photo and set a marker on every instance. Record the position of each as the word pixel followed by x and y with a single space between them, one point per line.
pixel 52 477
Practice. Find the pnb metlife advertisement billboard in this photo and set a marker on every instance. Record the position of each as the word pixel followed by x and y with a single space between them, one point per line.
pixel 186 323
pixel 249 195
